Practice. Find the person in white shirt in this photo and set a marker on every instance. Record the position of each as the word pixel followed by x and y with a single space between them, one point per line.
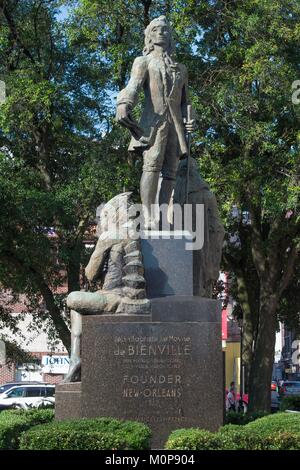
pixel 231 398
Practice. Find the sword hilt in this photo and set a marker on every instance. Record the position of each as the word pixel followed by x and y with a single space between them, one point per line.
pixel 189 118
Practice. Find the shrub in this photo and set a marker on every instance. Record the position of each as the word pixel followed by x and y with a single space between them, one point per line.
pixel 290 403
pixel 244 438
pixel 87 434
pixel 233 417
pixel 273 432
pixel 199 439
pixel 14 422
pixel 280 431
pixel 277 422
pixel 193 439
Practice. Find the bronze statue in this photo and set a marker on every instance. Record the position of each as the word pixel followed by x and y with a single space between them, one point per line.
pixel 116 269
pixel 160 135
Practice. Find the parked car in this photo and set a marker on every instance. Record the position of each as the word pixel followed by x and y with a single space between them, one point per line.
pixel 9 385
pixel 290 387
pixel 275 397
pixel 274 386
pixel 27 396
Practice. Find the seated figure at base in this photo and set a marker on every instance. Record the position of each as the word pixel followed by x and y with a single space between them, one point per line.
pixel 116 266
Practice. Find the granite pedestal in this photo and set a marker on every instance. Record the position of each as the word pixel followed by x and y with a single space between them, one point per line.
pixel 168 265
pixel 163 369
pixel 68 401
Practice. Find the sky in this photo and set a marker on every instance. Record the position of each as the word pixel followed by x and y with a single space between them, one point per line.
pixel 63 13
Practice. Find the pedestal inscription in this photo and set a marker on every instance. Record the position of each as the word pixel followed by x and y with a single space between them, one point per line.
pixel 155 360
pixel 167 375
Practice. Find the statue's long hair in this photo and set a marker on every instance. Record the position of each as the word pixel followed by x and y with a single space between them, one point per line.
pixel 149 46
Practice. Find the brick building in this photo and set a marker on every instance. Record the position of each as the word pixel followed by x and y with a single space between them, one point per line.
pixel 49 364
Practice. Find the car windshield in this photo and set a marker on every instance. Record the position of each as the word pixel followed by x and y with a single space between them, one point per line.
pixel 16 392
pixel 7 386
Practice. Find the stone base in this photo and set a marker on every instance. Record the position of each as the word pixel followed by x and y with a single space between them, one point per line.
pixel 68 401
pixel 163 369
pixel 168 265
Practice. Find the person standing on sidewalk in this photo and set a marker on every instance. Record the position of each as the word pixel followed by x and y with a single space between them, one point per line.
pixel 231 398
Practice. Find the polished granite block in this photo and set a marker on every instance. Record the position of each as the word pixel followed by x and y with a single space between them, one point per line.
pixel 167 373
pixel 68 401
pixel 168 266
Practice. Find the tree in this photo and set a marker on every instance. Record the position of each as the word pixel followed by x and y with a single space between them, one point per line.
pixel 62 154
pixel 243 67
pixel 58 157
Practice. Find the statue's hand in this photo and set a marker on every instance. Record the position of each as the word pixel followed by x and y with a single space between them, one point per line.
pixel 124 118
pixel 123 114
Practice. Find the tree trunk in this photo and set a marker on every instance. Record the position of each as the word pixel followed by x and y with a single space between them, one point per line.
pixel 73 268
pixel 263 354
pixel 147 5
pixel 247 341
pixel 42 144
pixel 55 314
pixel 45 291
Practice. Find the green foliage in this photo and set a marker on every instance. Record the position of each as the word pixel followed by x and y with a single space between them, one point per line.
pixel 242 418
pixel 15 354
pixel 277 422
pixel 289 311
pixel 193 439
pixel 279 431
pixel 241 71
pixel 62 154
pixel 290 403
pixel 274 432
pixel 14 422
pixel 88 434
pixel 60 157
pixel 246 439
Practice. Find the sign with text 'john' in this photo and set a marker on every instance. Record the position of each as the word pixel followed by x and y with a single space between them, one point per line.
pixel 55 364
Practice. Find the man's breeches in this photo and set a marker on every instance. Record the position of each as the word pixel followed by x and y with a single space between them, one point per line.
pixel 163 156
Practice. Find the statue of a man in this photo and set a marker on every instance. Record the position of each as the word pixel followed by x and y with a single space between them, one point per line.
pixel 160 135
